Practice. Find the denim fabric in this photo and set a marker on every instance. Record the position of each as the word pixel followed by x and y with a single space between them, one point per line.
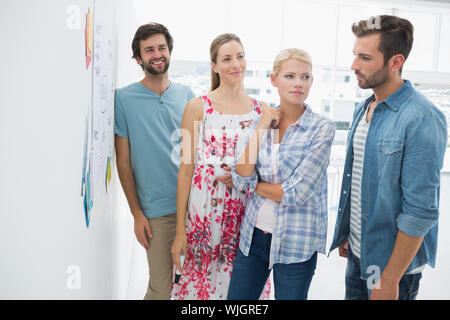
pixel 403 157
pixel 250 273
pixel 357 289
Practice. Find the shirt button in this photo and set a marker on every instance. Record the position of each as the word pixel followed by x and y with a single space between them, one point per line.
pixel 161 102
pixel 348 174
pixel 345 192
pixel 340 209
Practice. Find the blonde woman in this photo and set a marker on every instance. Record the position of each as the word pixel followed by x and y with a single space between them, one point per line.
pixel 285 223
pixel 209 208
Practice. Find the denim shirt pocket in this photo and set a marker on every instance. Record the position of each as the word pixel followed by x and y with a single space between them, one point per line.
pixel 390 153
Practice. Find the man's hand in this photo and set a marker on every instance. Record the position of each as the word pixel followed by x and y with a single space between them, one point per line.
pixel 405 249
pixel 142 230
pixel 343 249
pixel 387 290
pixel 226 179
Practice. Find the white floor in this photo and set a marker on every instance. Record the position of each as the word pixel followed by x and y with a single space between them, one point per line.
pixel 328 282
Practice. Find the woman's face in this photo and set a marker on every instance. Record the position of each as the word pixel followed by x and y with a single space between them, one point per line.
pixel 293 81
pixel 231 64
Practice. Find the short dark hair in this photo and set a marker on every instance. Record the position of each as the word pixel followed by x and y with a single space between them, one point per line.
pixel 146 31
pixel 396 34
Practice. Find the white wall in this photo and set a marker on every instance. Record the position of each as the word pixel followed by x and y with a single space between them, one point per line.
pixel 46 95
pixel 131 269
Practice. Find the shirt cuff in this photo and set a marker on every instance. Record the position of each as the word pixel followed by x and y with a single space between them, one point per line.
pixel 244 183
pixel 414 226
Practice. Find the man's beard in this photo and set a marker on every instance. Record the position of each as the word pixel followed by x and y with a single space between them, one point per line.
pixel 148 67
pixel 375 80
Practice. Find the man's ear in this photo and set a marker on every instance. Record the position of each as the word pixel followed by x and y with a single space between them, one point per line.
pixel 396 62
pixel 138 60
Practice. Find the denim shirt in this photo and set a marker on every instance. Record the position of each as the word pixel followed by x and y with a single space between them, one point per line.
pixel 400 185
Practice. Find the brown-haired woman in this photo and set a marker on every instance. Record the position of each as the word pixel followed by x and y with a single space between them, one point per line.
pixel 209 209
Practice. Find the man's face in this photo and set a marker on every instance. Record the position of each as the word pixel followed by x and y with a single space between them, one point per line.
pixel 368 64
pixel 155 54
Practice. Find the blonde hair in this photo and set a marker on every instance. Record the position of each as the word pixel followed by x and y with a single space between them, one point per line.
pixel 287 54
pixel 214 50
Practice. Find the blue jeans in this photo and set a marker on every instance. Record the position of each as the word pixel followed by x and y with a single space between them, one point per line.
pixel 291 281
pixel 356 288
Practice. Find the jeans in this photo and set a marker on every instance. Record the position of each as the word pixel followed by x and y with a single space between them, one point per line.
pixel 291 281
pixel 357 289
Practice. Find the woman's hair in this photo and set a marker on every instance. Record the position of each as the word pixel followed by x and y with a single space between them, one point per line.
pixel 287 54
pixel 214 50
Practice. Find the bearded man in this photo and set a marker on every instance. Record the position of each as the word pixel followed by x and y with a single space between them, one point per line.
pixel 388 212
pixel 146 115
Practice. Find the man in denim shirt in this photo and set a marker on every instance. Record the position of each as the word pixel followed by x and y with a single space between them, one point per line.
pixel 387 220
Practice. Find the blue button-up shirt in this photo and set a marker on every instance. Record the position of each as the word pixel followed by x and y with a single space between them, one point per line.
pixel 300 226
pixel 403 157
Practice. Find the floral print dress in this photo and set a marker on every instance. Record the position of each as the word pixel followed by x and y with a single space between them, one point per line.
pixel 215 211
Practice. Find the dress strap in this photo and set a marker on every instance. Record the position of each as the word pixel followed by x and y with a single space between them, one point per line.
pixel 257 106
pixel 207 105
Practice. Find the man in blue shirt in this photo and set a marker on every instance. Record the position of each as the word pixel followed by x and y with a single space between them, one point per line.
pixel 147 116
pixel 387 219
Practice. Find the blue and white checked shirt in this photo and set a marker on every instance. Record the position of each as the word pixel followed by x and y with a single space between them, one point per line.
pixel 300 226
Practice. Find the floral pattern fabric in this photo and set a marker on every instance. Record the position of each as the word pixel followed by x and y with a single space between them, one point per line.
pixel 215 211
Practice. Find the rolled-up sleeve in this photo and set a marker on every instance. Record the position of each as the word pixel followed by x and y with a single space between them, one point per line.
pixel 303 182
pixel 244 183
pixel 420 176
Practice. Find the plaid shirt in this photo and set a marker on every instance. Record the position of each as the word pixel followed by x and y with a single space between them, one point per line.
pixel 300 224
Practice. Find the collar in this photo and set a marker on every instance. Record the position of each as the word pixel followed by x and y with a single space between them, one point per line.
pixel 168 89
pixel 305 119
pixel 395 100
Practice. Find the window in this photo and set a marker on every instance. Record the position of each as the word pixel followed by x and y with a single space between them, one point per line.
pixel 340 125
pixel 253 91
pixel 335 90
pixel 444 45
